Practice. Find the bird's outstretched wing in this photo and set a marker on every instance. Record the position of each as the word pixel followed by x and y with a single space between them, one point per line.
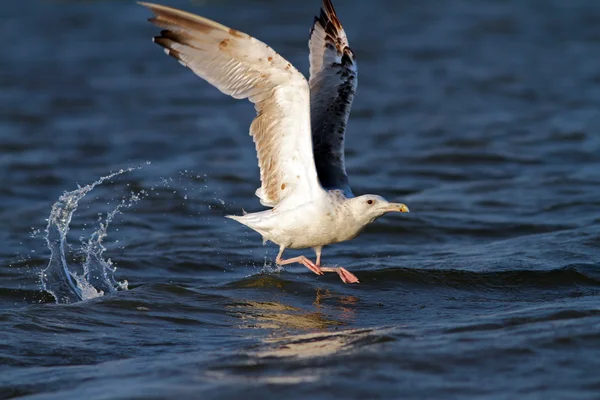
pixel 333 81
pixel 244 67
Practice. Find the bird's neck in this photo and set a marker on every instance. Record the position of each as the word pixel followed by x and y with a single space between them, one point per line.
pixel 347 214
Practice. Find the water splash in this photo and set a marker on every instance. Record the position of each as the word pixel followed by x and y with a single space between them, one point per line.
pixel 98 274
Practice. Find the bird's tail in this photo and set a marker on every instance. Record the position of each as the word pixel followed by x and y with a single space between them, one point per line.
pixel 254 221
pixel 238 218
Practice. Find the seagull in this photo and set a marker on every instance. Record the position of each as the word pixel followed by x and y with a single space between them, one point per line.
pixel 298 130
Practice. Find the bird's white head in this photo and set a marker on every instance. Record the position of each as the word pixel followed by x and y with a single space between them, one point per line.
pixel 369 207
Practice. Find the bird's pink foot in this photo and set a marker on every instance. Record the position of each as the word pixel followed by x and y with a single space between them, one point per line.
pixel 310 265
pixel 345 275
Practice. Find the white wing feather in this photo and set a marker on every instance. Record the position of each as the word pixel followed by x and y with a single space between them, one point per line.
pixel 244 67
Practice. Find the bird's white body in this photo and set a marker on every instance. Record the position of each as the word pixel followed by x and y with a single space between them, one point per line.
pixel 325 220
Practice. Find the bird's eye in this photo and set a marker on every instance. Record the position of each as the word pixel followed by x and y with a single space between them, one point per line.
pixel 370 202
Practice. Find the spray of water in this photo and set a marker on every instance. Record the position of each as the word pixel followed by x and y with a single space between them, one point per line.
pixel 98 274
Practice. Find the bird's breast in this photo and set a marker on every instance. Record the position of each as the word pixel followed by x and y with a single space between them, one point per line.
pixel 314 226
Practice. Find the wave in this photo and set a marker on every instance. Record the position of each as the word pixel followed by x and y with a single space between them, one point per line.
pixel 579 275
pixel 576 274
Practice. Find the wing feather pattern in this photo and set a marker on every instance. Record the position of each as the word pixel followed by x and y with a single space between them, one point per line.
pixel 244 67
pixel 333 81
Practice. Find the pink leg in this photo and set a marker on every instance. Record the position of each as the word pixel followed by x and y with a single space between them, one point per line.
pixel 345 275
pixel 318 250
pixel 301 259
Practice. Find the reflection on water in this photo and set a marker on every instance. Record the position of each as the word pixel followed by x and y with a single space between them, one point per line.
pixel 328 309
pixel 296 331
pixel 347 304
pixel 314 344
pixel 279 317
pixel 264 365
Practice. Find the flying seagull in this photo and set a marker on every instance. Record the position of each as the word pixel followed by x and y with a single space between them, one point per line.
pixel 298 130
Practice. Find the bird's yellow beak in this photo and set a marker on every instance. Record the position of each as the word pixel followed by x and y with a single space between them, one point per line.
pixel 397 207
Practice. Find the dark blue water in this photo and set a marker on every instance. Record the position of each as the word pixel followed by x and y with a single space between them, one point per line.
pixel 482 116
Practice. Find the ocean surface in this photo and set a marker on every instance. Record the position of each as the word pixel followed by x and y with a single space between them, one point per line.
pixel 117 167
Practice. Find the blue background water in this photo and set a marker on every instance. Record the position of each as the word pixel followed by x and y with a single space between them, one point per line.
pixel 481 116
